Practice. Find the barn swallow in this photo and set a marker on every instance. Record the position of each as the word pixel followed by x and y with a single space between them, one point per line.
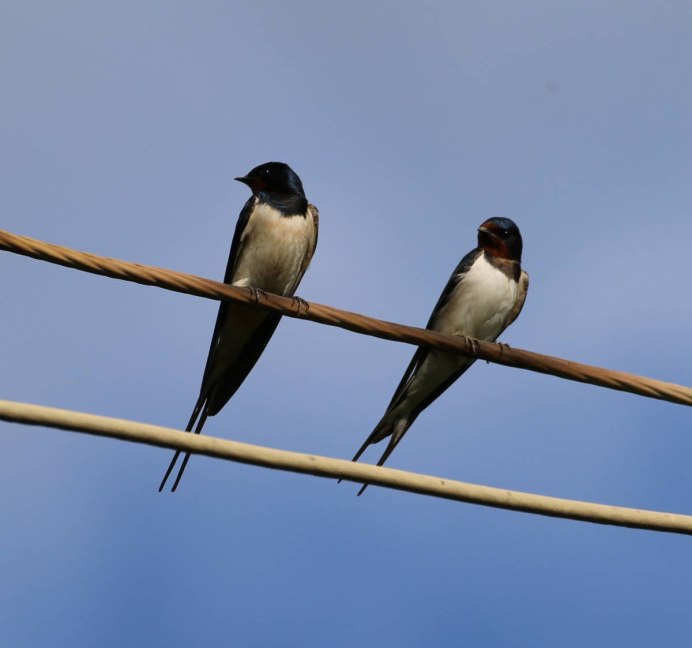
pixel 274 241
pixel 484 295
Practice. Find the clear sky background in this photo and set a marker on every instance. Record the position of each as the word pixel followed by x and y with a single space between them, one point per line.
pixel 121 128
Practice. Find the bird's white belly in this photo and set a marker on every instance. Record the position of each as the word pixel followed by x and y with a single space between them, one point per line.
pixel 274 251
pixel 436 369
pixel 480 304
pixel 479 307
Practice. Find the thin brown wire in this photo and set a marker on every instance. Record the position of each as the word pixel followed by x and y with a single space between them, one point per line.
pixel 340 469
pixel 500 354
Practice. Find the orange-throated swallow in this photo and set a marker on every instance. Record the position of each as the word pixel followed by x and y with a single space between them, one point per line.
pixel 274 241
pixel 484 295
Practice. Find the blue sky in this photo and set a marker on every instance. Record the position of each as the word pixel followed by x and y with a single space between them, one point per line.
pixel 121 128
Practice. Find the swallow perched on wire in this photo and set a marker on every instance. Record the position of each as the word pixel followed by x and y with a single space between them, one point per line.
pixel 484 295
pixel 274 241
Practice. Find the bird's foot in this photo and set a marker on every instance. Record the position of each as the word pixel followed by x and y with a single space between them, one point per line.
pixel 503 347
pixel 472 342
pixel 257 293
pixel 300 304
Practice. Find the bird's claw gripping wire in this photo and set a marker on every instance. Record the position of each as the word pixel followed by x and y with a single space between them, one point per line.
pixel 472 342
pixel 503 347
pixel 300 304
pixel 257 293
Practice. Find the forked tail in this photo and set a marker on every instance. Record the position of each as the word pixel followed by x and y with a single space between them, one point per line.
pixel 387 427
pixel 202 406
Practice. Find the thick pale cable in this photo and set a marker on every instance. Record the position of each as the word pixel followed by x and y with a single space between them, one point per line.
pixel 191 284
pixel 340 469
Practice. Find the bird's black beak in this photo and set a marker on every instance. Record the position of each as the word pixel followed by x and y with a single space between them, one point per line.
pixel 256 184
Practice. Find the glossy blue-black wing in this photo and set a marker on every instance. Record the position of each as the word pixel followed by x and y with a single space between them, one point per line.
pixel 421 352
pixel 234 255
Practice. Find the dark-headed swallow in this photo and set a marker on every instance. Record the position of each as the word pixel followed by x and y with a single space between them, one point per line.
pixel 484 295
pixel 274 241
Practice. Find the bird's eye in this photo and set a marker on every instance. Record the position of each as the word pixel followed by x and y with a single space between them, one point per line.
pixel 505 233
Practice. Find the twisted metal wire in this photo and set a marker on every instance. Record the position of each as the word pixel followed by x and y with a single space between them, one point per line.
pixel 298 308
pixel 341 469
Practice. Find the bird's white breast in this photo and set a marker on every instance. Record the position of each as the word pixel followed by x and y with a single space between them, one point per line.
pixel 480 304
pixel 274 251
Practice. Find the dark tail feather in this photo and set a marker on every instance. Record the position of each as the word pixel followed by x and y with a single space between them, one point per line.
pixel 393 442
pixel 377 432
pixel 394 429
pixel 195 413
pixel 186 458
pixel 368 442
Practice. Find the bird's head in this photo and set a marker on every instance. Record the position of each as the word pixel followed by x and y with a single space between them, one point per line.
pixel 500 237
pixel 273 177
